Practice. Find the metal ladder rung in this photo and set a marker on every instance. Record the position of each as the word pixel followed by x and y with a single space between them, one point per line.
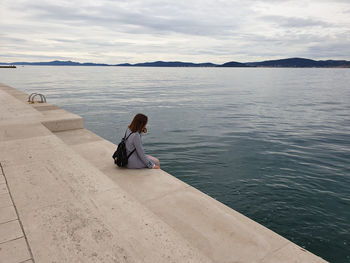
pixel 33 95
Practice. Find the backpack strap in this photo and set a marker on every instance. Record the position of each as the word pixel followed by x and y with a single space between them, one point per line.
pixel 125 140
pixel 131 153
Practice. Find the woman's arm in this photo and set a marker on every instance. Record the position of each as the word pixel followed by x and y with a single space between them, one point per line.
pixel 141 153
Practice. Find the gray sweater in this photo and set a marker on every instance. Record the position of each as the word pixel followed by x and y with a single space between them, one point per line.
pixel 138 159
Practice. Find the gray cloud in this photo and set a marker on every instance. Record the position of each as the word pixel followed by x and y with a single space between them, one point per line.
pixel 25 56
pixel 292 22
pixel 159 19
pixel 330 50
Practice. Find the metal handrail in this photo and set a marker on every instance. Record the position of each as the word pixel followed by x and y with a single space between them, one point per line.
pixel 33 95
pixel 30 96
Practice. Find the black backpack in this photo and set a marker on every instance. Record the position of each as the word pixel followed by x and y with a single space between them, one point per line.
pixel 120 157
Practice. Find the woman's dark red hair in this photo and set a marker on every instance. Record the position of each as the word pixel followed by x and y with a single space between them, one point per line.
pixel 139 121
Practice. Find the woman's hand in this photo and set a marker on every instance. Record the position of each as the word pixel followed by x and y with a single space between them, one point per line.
pixel 156 167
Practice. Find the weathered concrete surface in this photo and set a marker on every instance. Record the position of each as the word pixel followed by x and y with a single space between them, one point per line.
pixel 75 205
pixel 13 246
pixel 14 251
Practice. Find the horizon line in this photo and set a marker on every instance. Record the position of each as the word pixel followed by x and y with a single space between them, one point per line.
pixel 172 61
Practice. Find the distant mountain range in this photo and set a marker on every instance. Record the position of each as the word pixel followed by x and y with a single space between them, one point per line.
pixel 280 63
pixel 301 63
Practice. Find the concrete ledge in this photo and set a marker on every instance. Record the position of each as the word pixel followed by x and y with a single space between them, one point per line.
pixel 21 96
pixel 77 206
pixel 64 124
pixel 44 107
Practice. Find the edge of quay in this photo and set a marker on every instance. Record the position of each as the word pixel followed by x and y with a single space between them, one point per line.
pixel 63 200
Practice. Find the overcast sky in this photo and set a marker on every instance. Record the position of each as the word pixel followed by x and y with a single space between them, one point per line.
pixel 111 31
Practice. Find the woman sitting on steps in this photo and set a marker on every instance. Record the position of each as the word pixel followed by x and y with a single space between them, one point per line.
pixel 138 159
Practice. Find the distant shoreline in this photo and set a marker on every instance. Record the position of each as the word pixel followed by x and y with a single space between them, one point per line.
pixel 280 63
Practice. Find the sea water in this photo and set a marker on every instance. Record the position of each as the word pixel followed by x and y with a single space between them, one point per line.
pixel 273 144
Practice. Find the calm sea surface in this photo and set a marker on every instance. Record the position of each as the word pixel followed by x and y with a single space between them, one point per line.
pixel 273 144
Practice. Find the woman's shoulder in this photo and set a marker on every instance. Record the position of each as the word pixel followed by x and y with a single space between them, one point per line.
pixel 132 134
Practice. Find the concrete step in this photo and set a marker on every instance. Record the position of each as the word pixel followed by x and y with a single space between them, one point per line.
pixel 218 231
pixel 71 212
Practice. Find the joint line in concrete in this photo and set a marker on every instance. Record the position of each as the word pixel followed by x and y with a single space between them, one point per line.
pixel 19 220
pixel 9 220
pixel 11 240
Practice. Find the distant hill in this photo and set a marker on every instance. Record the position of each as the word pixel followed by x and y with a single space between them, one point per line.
pixel 233 64
pixel 54 63
pixel 124 65
pixel 280 63
pixel 168 64
pixel 300 63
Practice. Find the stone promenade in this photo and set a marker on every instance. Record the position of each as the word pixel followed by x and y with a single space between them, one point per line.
pixel 13 243
pixel 63 200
